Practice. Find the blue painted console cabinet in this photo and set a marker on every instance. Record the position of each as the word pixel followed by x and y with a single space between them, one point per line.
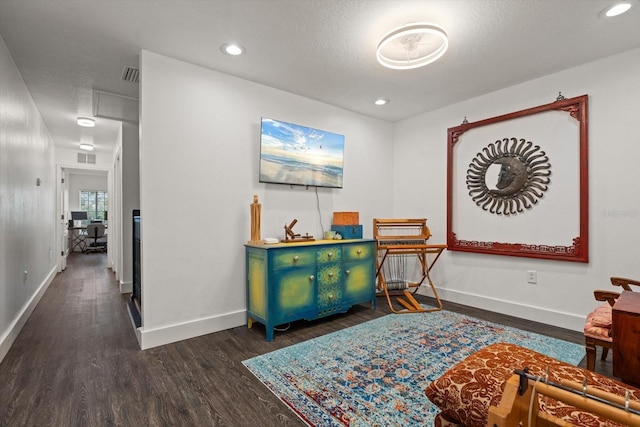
pixel 307 280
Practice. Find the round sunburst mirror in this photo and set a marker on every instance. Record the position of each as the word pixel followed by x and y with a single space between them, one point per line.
pixel 508 176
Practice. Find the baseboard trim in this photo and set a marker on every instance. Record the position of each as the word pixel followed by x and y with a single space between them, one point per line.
pixel 10 335
pixel 560 319
pixel 126 287
pixel 149 338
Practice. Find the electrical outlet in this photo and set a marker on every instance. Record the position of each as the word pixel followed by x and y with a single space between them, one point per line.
pixel 532 277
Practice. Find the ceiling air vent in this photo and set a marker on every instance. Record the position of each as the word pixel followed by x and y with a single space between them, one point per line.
pixel 86 158
pixel 130 74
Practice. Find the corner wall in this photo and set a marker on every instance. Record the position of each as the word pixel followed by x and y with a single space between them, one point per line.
pixel 130 188
pixel 199 154
pixel 27 210
pixel 564 292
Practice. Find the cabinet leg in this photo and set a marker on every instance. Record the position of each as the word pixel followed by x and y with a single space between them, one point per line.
pixel 249 322
pixel 269 333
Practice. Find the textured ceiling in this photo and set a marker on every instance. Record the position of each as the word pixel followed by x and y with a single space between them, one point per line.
pixel 320 49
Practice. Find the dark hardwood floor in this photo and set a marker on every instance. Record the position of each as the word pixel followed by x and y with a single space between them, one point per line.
pixel 77 362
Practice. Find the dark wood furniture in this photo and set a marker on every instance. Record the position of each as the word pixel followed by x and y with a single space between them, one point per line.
pixel 626 337
pixel 602 335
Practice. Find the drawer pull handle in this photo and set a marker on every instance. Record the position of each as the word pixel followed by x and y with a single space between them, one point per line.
pixel 331 274
pixel 296 258
pixel 348 271
pixel 330 254
pixel 331 296
pixel 359 251
pixel 311 277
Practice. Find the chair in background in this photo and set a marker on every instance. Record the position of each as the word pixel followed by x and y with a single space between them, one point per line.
pixel 96 238
pixel 597 329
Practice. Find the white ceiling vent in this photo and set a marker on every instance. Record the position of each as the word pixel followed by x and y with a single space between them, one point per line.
pixel 130 74
pixel 86 158
pixel 115 107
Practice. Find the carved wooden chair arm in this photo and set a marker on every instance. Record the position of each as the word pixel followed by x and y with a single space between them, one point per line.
pixel 621 281
pixel 607 296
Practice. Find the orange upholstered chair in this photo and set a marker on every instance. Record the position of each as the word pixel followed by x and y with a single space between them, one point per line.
pixel 597 329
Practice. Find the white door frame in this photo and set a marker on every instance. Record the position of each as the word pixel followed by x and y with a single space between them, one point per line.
pixel 115 183
pixel 61 218
pixel 62 202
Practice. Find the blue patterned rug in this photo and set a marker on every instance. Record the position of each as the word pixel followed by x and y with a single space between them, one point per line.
pixel 375 373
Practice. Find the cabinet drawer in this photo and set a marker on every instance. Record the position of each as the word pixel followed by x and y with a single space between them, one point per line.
pixel 357 252
pixel 332 253
pixel 330 290
pixel 286 258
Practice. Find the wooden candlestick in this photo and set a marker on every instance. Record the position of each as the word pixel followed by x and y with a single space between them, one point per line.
pixel 255 219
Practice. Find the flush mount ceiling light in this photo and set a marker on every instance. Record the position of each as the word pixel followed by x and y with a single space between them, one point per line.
pixel 381 101
pixel 86 122
pixel 232 49
pixel 88 147
pixel 412 46
pixel 616 9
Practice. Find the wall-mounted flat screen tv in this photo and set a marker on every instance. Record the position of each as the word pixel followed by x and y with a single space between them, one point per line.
pixel 299 155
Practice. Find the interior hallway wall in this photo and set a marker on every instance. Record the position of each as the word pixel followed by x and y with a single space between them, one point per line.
pixel 130 199
pixel 27 203
pixel 199 156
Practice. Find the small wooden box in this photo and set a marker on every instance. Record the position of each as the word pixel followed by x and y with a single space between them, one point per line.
pixel 346 218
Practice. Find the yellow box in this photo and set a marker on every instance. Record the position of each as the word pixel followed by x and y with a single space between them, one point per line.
pixel 346 218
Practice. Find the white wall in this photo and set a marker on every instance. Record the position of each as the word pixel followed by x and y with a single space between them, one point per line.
pixel 564 293
pixel 27 211
pixel 199 150
pixel 68 158
pixel 79 181
pixel 130 199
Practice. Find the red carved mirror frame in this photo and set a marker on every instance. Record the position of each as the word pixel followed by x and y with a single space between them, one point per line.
pixel 578 249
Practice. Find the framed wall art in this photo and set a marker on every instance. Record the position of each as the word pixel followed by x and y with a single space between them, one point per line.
pixel 517 184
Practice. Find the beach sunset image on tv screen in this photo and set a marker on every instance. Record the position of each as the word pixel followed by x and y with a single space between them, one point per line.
pixel 298 155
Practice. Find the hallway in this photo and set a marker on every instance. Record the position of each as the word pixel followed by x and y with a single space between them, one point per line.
pixel 70 352
pixel 77 363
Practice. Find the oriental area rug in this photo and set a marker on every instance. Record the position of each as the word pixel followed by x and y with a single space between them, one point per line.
pixel 375 373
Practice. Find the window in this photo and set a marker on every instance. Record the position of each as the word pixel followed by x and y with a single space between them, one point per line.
pixel 94 203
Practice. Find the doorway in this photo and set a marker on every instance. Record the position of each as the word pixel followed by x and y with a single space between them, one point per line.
pixel 71 183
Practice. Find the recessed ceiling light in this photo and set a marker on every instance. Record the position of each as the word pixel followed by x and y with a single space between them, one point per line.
pixel 381 101
pixel 412 46
pixel 232 49
pixel 88 147
pixel 86 122
pixel 616 9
